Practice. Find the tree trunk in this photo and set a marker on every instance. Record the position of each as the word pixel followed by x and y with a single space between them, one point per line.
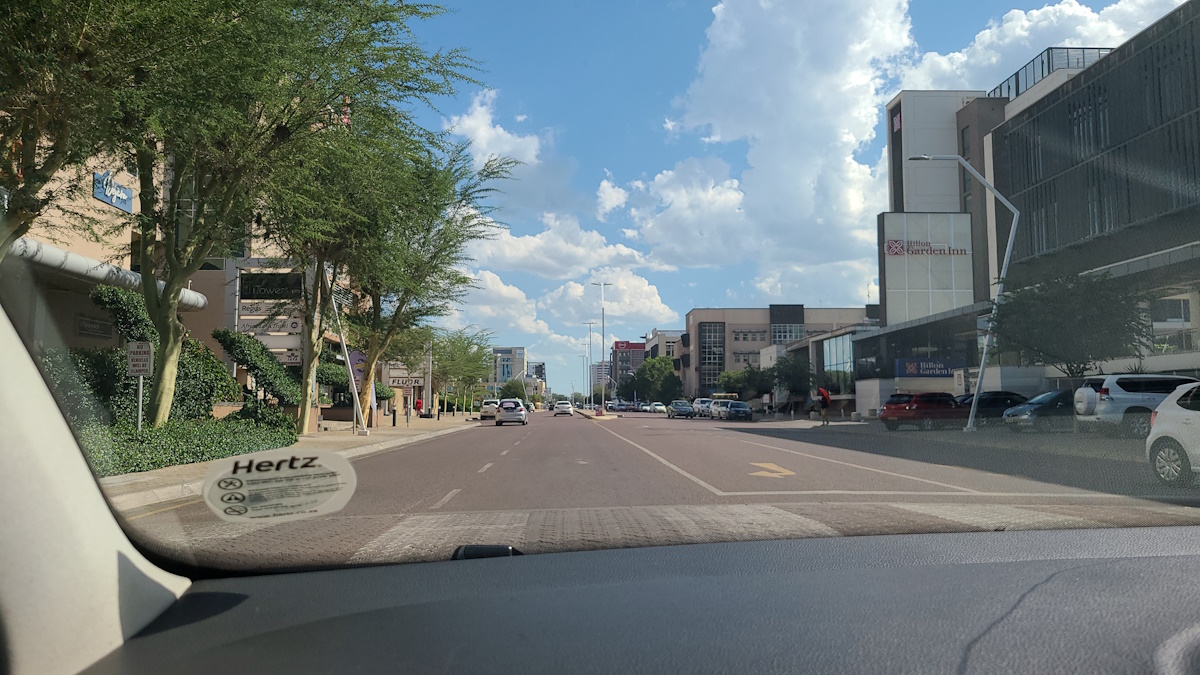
pixel 368 385
pixel 312 346
pixel 166 367
pixel 13 226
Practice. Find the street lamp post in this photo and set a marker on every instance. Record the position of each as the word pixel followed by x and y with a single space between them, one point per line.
pixel 1012 237
pixel 590 384
pixel 603 337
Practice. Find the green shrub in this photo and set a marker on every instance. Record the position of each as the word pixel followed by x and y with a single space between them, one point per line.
pixel 267 371
pixel 119 449
pixel 266 415
pixel 384 392
pixel 128 310
pixel 333 375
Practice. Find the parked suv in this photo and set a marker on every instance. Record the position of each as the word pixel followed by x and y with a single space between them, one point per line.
pixel 716 409
pixel 487 411
pixel 1124 402
pixel 1173 447
pixel 926 410
pixel 701 406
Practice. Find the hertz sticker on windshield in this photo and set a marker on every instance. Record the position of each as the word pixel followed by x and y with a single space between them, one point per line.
pixel 279 485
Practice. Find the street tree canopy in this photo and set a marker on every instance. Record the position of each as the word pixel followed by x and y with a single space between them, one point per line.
pixel 1073 322
pixel 654 380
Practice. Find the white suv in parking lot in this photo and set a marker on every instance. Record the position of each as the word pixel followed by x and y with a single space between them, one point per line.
pixel 1124 402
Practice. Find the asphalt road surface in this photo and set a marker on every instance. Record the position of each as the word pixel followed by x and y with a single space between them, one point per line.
pixel 568 483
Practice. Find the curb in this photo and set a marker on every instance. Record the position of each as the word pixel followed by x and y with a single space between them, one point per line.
pixel 193 488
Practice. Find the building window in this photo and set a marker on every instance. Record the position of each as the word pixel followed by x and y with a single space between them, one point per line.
pixel 1171 310
pixel 838 368
pixel 783 333
pixel 712 354
pixel 965 142
pixel 670 349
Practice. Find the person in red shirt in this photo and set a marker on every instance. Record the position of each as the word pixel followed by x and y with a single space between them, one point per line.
pixel 417 406
pixel 824 403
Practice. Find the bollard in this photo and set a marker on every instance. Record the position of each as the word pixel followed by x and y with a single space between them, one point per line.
pixel 393 417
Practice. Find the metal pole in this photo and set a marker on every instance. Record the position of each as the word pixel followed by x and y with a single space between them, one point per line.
pixel 358 416
pixel 141 379
pixel 1012 237
pixel 603 337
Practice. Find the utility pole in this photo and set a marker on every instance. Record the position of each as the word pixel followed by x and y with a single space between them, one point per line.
pixel 591 384
pixel 603 334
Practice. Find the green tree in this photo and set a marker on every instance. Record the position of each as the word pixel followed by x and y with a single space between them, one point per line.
pixel 750 382
pixel 461 357
pixel 205 127
pixel 416 271
pixel 654 380
pixel 1073 322
pixel 731 381
pixel 513 389
pixel 792 372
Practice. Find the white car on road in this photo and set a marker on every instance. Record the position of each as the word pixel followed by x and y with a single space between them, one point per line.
pixel 658 407
pixel 511 410
pixel 1124 402
pixel 487 411
pixel 563 408
pixel 701 406
pixel 1173 446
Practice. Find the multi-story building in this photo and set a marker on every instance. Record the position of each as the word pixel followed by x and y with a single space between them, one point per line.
pixel 599 371
pixel 716 339
pixel 1099 150
pixel 626 358
pixel 662 343
pixel 508 363
pixel 536 370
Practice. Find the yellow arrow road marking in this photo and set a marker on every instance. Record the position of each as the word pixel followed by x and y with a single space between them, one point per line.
pixel 772 470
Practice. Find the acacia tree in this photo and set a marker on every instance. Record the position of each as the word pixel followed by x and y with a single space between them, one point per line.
pixel 792 373
pixel 321 209
pixel 1073 322
pixel 416 270
pixel 206 129
pixel 60 67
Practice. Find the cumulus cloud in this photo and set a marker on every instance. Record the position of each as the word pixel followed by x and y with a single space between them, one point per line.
pixel 489 139
pixel 560 251
pixel 609 197
pixel 521 118
pixel 1005 45
pixel 499 306
pixel 631 300
pixel 692 215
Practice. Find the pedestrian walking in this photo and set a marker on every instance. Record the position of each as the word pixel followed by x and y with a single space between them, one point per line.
pixel 824 403
pixel 417 406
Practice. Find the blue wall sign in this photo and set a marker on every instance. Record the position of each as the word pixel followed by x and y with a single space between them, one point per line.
pixel 111 192
pixel 928 367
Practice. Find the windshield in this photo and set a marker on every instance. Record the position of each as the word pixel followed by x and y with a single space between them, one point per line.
pixel 395 247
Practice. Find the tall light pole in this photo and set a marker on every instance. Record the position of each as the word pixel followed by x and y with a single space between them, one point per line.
pixel 590 384
pixel 603 337
pixel 1012 237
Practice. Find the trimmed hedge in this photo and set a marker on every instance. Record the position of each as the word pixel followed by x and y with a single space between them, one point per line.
pixel 268 372
pixel 384 392
pixel 128 310
pixel 333 375
pixel 119 449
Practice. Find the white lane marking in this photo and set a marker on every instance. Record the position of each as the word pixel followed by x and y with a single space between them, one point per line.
pixel 442 502
pixel 916 493
pixel 858 466
pixel 517 443
pixel 485 467
pixel 674 468
pixel 504 453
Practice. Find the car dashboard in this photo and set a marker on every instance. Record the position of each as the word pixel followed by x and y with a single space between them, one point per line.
pixel 1036 601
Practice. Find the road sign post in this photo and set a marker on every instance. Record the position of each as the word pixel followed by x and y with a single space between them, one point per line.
pixel 141 364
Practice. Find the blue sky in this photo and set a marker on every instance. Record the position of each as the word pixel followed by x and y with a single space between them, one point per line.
pixel 703 154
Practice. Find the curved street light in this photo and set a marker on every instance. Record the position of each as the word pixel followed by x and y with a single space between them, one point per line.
pixel 1012 236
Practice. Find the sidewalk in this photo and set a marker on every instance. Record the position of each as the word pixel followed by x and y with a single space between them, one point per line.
pixel 137 490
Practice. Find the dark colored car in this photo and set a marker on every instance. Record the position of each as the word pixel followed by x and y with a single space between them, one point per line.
pixel 926 410
pixel 680 409
pixel 1045 412
pixel 739 410
pixel 992 405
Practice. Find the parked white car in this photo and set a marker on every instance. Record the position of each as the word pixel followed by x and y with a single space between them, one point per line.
pixel 511 410
pixel 487 411
pixel 717 409
pixel 563 408
pixel 701 405
pixel 1173 446
pixel 1124 402
pixel 658 407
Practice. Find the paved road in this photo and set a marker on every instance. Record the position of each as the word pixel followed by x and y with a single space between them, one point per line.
pixel 570 483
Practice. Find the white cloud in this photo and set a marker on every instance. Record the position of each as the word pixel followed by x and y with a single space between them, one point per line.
pixel 631 301
pixel 670 125
pixel 609 197
pixel 488 139
pixel 496 305
pixel 692 215
pixel 1005 45
pixel 631 234
pixel 521 118
pixel 561 251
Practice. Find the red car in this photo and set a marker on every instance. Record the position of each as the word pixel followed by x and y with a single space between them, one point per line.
pixel 926 410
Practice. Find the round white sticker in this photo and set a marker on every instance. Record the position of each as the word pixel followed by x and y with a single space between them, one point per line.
pixel 278 485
